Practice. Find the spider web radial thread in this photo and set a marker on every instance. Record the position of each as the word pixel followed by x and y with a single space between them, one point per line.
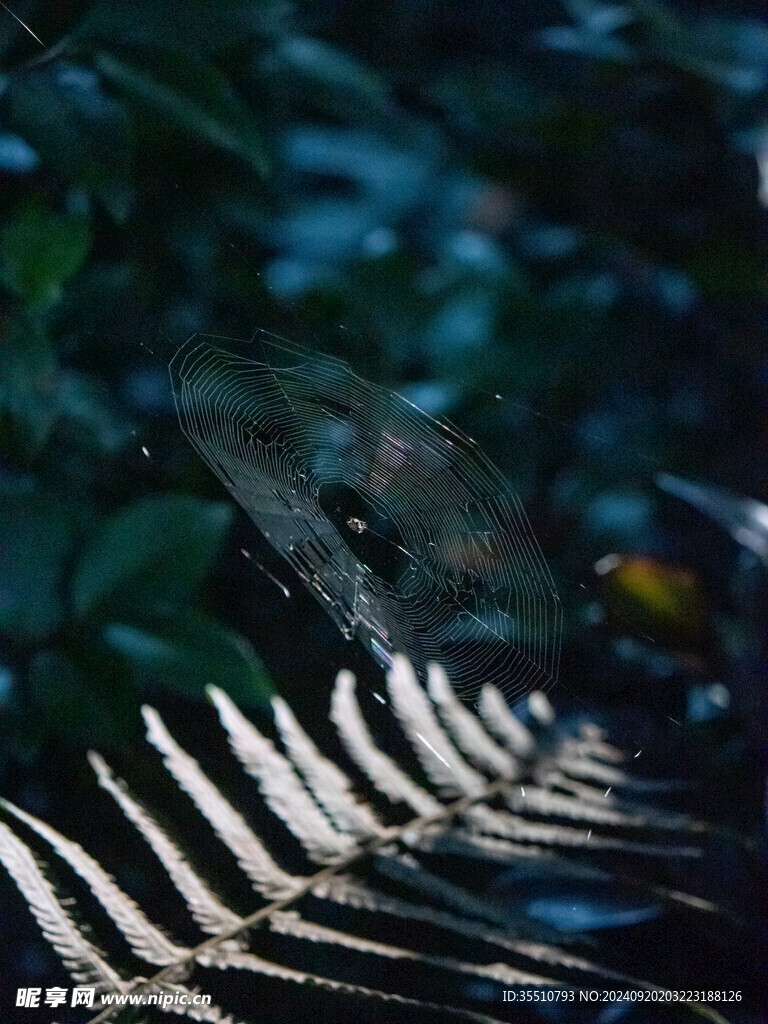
pixel 475 594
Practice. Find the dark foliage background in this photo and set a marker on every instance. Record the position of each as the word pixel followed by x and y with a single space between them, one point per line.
pixel 542 220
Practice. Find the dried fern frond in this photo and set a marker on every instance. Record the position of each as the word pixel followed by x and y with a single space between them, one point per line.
pixel 486 798
pixel 84 962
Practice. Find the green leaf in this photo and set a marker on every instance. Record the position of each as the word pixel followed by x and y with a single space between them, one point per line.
pixel 189 653
pixel 39 251
pixel 81 696
pixel 28 380
pixel 151 553
pixel 36 541
pixel 191 94
pixel 81 133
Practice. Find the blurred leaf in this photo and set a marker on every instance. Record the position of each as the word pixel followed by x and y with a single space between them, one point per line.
pixel 726 51
pixel 707 702
pixel 7 683
pixel 189 653
pixel 80 697
pixel 329 66
pixel 28 381
pixel 83 405
pixel 195 24
pixel 16 155
pixel 488 102
pixel 151 553
pixel 644 593
pixel 577 913
pixel 598 16
pixel 36 542
pixel 728 270
pixel 588 42
pixel 744 518
pixel 625 516
pixel 190 93
pixel 39 251
pixel 80 132
pixel 59 689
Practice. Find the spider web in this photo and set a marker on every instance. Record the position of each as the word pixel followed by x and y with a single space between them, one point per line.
pixel 467 585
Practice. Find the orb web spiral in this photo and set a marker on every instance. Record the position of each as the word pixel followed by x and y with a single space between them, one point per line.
pixel 406 533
